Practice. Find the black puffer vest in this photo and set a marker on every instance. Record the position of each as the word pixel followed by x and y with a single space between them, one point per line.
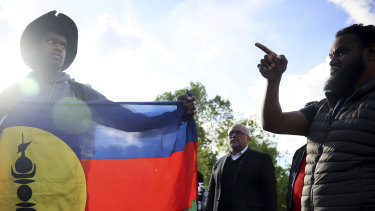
pixel 340 162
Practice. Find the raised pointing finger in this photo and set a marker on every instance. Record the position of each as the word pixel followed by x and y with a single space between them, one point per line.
pixel 265 49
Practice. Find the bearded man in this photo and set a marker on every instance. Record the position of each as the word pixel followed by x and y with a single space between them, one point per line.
pixel 340 129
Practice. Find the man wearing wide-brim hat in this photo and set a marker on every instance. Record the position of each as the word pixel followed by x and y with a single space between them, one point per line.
pixel 34 33
pixel 48 47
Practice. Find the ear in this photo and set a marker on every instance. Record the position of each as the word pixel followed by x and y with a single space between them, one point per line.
pixel 248 138
pixel 370 53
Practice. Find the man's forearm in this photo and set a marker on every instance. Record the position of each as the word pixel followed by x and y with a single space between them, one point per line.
pixel 271 113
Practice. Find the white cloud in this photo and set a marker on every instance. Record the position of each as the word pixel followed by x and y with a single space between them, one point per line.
pixel 12 68
pixel 196 40
pixel 136 61
pixel 118 59
pixel 360 11
pixel 112 36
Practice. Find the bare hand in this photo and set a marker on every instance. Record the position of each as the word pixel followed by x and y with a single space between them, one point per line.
pixel 272 66
pixel 188 103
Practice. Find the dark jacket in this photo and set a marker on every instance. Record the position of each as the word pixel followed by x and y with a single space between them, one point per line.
pixel 253 187
pixel 294 169
pixel 340 162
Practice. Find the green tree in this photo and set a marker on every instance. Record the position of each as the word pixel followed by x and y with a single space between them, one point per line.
pixel 211 112
pixel 215 116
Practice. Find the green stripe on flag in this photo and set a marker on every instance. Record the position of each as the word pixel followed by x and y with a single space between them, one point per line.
pixel 194 206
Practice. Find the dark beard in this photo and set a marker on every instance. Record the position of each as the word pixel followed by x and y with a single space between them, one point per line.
pixel 345 79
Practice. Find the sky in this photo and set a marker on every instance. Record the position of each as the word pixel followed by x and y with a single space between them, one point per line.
pixel 132 50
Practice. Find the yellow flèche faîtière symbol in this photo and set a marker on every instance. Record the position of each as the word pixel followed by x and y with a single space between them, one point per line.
pixel 25 166
pixel 23 163
pixel 39 171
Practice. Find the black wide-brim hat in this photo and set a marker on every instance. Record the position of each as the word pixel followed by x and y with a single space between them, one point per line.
pixel 49 22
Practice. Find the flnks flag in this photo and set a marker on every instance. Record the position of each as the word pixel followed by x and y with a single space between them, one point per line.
pixel 98 156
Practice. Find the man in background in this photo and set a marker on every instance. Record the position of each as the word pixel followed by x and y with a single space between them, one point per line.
pixel 244 179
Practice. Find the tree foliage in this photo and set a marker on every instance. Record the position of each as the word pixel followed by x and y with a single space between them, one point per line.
pixel 215 116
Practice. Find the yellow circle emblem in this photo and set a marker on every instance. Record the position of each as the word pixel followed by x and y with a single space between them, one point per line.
pixel 39 171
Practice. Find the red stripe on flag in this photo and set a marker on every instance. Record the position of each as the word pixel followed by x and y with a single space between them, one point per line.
pixel 142 184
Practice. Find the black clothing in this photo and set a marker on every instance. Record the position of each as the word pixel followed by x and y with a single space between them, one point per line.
pixel 294 169
pixel 309 112
pixel 230 167
pixel 340 162
pixel 253 184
